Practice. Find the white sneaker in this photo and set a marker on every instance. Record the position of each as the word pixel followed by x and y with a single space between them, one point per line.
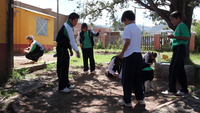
pixel 122 103
pixel 167 92
pixel 141 102
pixel 153 86
pixel 180 93
pixel 93 72
pixel 65 90
pixel 85 72
pixel 71 87
pixel 147 86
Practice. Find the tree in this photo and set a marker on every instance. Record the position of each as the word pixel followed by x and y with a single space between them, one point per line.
pixel 159 9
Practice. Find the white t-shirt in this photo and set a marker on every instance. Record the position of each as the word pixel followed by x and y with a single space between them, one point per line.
pixel 133 33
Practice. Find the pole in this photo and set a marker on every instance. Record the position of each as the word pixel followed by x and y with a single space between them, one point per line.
pixel 57 15
pixel 135 14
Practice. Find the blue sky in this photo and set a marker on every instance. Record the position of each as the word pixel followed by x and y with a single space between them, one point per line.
pixel 67 6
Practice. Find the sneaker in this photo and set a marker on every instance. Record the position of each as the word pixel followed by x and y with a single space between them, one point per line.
pixel 167 92
pixel 55 55
pixel 147 86
pixel 180 93
pixel 122 103
pixel 85 72
pixel 153 86
pixel 65 90
pixel 71 87
pixel 141 102
pixel 93 72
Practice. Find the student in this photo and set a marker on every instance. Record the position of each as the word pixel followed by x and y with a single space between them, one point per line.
pixel 34 51
pixel 149 57
pixel 65 40
pixel 114 65
pixel 176 70
pixel 86 42
pixel 132 61
pixel 147 77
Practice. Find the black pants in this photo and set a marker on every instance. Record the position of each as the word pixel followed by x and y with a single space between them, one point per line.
pixel 115 68
pixel 177 70
pixel 131 77
pixel 88 53
pixel 147 75
pixel 34 56
pixel 62 66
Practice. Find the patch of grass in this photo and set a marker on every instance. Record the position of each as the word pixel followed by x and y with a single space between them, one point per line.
pixel 28 76
pixel 16 76
pixel 50 66
pixel 70 75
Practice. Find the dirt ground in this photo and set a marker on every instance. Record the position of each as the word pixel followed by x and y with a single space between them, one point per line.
pixel 94 93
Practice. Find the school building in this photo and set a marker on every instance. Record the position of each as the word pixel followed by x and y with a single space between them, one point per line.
pixel 31 22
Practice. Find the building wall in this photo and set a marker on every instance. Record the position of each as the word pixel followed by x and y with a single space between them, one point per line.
pixel 25 24
pixel 3 7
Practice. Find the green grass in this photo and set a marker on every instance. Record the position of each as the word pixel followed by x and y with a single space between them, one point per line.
pixel 99 58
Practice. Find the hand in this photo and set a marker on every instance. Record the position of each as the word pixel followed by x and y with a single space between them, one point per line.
pixel 81 45
pixel 99 31
pixel 171 36
pixel 121 55
pixel 78 54
pixel 71 52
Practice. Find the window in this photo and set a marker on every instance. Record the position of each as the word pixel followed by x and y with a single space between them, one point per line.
pixel 41 27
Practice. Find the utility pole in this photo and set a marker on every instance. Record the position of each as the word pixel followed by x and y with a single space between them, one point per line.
pixel 57 15
pixel 135 14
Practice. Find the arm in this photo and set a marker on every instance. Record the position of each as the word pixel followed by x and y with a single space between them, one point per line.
pixel 127 43
pixel 95 33
pixel 111 65
pixel 178 37
pixel 78 39
pixel 72 39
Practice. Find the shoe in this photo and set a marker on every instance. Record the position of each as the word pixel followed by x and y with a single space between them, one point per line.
pixel 85 72
pixel 141 102
pixel 153 86
pixel 55 55
pixel 65 90
pixel 71 87
pixel 167 92
pixel 93 72
pixel 180 93
pixel 122 103
pixel 147 86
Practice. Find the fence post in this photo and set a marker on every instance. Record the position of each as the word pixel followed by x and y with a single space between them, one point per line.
pixel 157 41
pixel 192 42
pixel 103 40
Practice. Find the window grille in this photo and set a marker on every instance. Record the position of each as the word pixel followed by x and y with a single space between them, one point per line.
pixel 41 27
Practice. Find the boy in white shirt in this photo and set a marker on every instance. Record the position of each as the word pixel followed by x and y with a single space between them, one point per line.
pixel 132 61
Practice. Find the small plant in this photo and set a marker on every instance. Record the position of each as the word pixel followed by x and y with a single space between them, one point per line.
pixel 98 45
pixel 16 76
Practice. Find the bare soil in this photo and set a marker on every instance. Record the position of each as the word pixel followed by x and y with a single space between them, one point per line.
pixel 94 93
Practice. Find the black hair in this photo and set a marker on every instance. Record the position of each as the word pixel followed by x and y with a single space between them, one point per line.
pixel 73 16
pixel 128 15
pixel 117 59
pixel 176 14
pixel 30 37
pixel 154 54
pixel 84 25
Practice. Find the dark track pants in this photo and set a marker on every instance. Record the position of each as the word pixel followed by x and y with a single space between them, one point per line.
pixel 132 77
pixel 62 66
pixel 34 56
pixel 147 75
pixel 177 70
pixel 88 53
